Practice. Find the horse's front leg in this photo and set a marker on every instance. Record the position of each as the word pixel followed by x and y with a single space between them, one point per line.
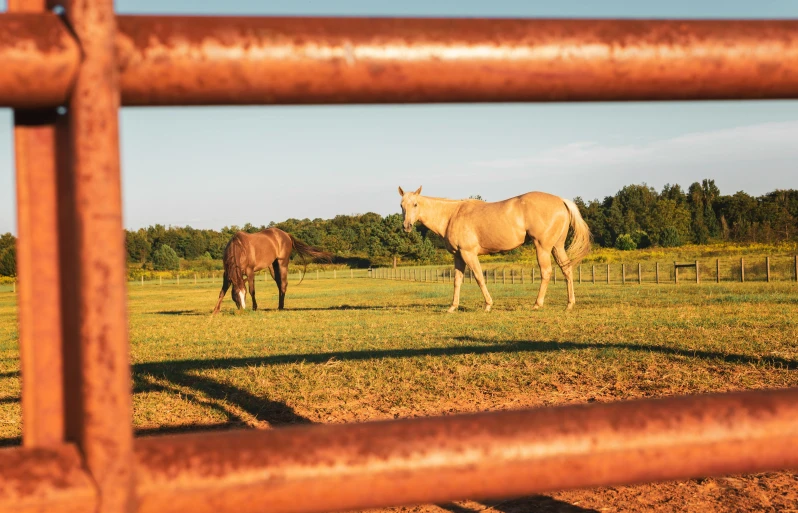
pixel 472 261
pixel 459 268
pixel 251 280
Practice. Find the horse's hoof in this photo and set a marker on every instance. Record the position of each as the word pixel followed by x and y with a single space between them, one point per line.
pixel 569 307
pixel 487 308
pixel 451 309
pixel 536 307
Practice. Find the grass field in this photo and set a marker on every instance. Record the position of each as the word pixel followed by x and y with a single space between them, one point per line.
pixel 350 350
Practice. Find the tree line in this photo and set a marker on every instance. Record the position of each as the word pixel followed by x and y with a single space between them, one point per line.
pixel 637 216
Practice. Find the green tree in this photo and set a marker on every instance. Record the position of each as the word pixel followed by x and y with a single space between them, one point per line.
pixel 138 246
pixel 8 261
pixel 165 259
pixel 625 242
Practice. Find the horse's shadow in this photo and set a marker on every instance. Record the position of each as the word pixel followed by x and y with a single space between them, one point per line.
pixel 531 504
pixel 412 306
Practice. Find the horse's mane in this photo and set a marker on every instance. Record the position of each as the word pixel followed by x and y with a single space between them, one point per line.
pixel 231 262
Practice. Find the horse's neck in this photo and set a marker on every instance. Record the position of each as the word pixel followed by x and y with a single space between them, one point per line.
pixel 436 213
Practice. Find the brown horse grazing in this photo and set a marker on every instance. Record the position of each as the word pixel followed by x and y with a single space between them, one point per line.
pixel 473 227
pixel 248 253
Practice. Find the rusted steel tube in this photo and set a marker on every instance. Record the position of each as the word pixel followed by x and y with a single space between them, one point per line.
pixel 98 382
pixel 169 60
pixel 51 480
pixel 38 270
pixel 348 467
pixel 38 60
pixel 204 60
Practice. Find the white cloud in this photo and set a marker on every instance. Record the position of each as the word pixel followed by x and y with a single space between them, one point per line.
pixel 714 150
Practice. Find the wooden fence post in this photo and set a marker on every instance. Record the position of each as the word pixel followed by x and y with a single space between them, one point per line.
pixel 795 258
pixel 178 278
pixel 717 270
pixel 317 274
pixel 697 273
pixel 160 280
pixel 767 267
pixel 657 271
pixel 593 271
pixel 512 276
pixel 14 286
pixel 675 273
pixel 533 275
pixel 623 274
pixel 639 274
pixel 580 274
pixel 195 278
pixel 742 270
pixel 608 274
pixel 504 276
pixel 142 280
pixel 522 276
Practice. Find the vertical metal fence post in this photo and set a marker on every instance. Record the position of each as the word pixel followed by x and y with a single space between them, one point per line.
pixel 38 269
pixel 98 381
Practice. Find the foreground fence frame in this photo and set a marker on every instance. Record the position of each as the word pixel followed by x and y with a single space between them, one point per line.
pixel 79 453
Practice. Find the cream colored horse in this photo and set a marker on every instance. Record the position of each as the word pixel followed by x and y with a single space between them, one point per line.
pixel 473 227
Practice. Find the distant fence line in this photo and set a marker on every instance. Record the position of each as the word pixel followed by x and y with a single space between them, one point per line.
pixel 760 269
pixel 746 269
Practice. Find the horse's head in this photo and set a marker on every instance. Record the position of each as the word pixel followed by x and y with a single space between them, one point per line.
pixel 239 296
pixel 409 208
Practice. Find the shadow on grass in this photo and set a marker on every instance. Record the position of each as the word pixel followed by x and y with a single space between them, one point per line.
pixel 535 503
pixel 303 309
pixel 180 377
pixel 182 312
pixel 484 346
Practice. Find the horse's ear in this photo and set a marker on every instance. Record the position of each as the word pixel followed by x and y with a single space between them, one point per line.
pixel 418 191
pixel 401 192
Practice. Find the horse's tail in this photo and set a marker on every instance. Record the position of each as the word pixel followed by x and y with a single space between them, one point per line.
pixel 582 238
pixel 306 251
pixel 232 268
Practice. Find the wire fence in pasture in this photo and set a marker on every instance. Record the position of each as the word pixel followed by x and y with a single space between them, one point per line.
pixel 757 269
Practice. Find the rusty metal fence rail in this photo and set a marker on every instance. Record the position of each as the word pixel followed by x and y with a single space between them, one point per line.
pixel 67 74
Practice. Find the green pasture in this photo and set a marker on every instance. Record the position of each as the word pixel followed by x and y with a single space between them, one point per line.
pixel 359 349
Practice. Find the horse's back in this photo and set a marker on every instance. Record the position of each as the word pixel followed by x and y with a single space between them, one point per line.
pixel 503 225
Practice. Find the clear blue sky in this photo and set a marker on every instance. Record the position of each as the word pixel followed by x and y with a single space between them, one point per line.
pixel 210 167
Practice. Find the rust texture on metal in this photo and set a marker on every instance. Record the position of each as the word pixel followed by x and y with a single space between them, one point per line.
pixel 98 381
pixel 201 61
pixel 347 467
pixel 174 60
pixel 38 270
pixel 38 58
pixel 45 480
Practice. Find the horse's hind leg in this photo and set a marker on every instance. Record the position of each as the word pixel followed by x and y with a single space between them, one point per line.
pixel 281 278
pixel 544 261
pixel 251 280
pixel 225 286
pixel 567 269
pixel 473 262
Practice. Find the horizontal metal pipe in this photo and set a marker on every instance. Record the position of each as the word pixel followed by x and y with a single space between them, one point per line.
pixel 348 467
pixel 203 60
pixel 39 59
pixel 177 60
pixel 39 479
